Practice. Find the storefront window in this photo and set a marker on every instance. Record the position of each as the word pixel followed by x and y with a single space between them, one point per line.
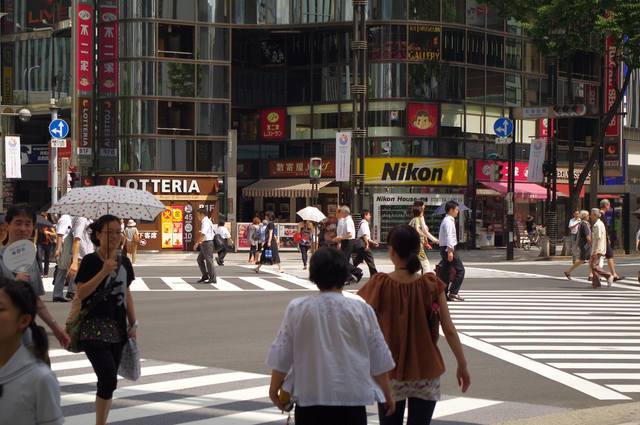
pixel 213 119
pixel 453 42
pixel 387 80
pixel 451 120
pixel 300 122
pixel 388 42
pixel 210 156
pixel 183 10
pixel 453 11
pixel 512 89
pixel 475 85
pixel 175 155
pixel 384 9
pixel 475 48
pixel 137 116
pixel 528 130
pixel 213 44
pixel 175 79
pixel 148 155
pixel 424 10
pixel 386 123
pixel 299 49
pixel 474 122
pixel 176 41
pixel 389 148
pixel 213 81
pixel 513 52
pixel 326 121
pixel 310 11
pixel 137 79
pixel 495 51
pixel 136 9
pixel 137 39
pixel 213 10
pixel 495 87
pixel 298 86
pixel 175 117
pixel 436 81
pixel 532 92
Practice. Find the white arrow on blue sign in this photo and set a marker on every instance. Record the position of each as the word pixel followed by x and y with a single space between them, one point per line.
pixel 503 127
pixel 58 129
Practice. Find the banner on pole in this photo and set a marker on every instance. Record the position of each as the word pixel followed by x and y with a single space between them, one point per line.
pixel 343 156
pixel 536 160
pixel 13 165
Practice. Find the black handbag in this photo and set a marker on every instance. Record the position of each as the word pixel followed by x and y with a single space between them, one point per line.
pixel 218 243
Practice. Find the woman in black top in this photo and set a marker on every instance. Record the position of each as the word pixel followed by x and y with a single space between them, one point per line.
pixel 112 319
pixel 271 243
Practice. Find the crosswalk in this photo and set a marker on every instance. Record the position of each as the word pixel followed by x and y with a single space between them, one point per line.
pixel 588 340
pixel 177 393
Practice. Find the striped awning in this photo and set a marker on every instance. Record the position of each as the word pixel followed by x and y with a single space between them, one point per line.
pixel 283 188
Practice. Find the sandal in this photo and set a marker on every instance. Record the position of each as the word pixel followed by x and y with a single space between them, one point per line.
pixel 567 275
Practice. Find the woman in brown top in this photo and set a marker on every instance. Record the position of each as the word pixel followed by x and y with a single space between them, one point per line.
pixel 410 307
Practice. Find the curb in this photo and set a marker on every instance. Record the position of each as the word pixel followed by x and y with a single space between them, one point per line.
pixel 617 414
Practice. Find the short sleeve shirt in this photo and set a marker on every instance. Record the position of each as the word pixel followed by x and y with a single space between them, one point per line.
pixel 223 232
pixel 34 272
pixel 206 228
pixel 63 226
pixel 80 230
pixel 345 226
pixel 364 229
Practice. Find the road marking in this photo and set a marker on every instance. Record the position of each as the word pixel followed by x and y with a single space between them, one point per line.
pixel 138 285
pixel 255 417
pixel 174 406
pixel 461 404
pixel 519 308
pixel 626 388
pixel 178 284
pixel 264 284
pixel 461 327
pixel 569 348
pixel 538 322
pixel 610 376
pixel 89 378
pixel 606 366
pixel 58 352
pixel 563 340
pixel 582 356
pixel 47 282
pixel 592 389
pixel 75 364
pixel 163 386
pixel 224 285
pixel 528 334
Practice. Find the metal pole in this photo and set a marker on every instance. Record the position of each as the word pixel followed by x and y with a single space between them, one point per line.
pixel 54 157
pixel 511 189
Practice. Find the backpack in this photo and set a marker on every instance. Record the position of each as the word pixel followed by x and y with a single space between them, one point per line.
pixel 254 235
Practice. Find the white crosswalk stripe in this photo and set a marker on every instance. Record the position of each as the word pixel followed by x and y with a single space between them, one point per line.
pixel 189 394
pixel 588 340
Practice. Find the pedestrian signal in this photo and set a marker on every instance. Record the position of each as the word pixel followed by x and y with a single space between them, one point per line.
pixel 315 168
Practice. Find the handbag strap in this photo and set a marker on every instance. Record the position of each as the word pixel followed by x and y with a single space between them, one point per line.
pixel 95 298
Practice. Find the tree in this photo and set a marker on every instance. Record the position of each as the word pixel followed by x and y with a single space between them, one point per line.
pixel 561 28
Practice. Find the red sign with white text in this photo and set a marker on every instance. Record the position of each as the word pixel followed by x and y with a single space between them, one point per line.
pixel 299 168
pixel 483 172
pixel 84 48
pixel 273 124
pixel 422 119
pixel 108 49
pixel 611 71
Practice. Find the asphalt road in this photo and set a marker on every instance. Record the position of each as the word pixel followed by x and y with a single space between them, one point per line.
pixel 231 328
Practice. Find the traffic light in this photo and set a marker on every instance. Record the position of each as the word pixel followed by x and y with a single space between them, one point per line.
pixel 573 110
pixel 315 168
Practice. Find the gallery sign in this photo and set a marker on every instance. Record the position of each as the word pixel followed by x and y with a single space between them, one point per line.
pixel 273 124
pixel 415 171
pixel 422 119
pixel 424 43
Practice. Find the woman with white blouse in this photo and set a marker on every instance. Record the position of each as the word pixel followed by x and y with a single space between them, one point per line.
pixel 329 353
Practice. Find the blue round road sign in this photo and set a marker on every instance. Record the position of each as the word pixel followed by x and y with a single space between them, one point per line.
pixel 58 129
pixel 503 127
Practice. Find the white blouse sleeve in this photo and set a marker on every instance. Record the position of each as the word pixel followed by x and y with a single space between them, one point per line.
pixel 379 354
pixel 47 395
pixel 280 356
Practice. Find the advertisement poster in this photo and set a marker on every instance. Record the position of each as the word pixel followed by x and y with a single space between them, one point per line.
pixel 424 43
pixel 108 49
pixel 343 156
pixel 299 168
pixel 415 171
pixel 273 124
pixel 242 241
pixel 422 119
pixel 285 233
pixel 610 86
pixel 84 48
pixel 12 157
pixel 173 227
pixel 536 159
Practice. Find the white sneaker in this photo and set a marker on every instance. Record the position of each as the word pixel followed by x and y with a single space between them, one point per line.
pixel 610 281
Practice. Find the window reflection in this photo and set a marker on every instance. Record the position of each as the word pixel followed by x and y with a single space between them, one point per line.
pixel 184 10
pixel 213 119
pixel 213 10
pixel 387 80
pixel 213 44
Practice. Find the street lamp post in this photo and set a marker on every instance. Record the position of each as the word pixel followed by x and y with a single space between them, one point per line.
pixel 511 189
pixel 54 156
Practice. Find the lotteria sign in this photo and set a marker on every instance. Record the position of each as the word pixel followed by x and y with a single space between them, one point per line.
pixel 415 171
pixel 159 186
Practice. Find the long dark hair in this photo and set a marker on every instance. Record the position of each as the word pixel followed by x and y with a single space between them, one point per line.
pixel 99 224
pixel 405 241
pixel 24 299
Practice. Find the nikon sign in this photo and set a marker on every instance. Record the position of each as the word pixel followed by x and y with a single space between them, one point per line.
pixel 415 171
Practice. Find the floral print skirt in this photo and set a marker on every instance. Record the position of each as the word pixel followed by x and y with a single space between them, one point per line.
pixel 425 389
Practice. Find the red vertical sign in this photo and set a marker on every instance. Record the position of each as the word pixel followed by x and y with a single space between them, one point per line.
pixel 84 48
pixel 108 49
pixel 611 86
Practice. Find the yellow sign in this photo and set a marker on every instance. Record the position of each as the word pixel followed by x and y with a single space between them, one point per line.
pixel 415 171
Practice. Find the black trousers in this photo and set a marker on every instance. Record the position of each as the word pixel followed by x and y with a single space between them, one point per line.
pixel 45 253
pixel 304 250
pixel 223 252
pixel 347 246
pixel 420 412
pixel 105 361
pixel 367 256
pixel 331 415
pixel 457 264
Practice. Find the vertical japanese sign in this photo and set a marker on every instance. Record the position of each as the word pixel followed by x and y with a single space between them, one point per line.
pixel 106 128
pixel 84 48
pixel 108 49
pixel 13 165
pixel 613 132
pixel 85 127
pixel 536 159
pixel 273 124
pixel 343 156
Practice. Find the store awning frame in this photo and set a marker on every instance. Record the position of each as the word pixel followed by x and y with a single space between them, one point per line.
pixel 523 190
pixel 283 188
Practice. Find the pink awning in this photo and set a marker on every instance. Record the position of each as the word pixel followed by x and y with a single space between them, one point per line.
pixel 523 190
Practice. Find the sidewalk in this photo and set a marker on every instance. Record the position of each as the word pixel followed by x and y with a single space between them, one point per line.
pixel 616 414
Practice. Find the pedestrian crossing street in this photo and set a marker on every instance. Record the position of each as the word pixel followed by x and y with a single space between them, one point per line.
pixel 588 340
pixel 176 393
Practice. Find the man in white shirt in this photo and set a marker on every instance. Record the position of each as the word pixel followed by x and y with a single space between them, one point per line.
pixel 346 237
pixel 205 243
pixel 223 232
pixel 598 249
pixel 82 246
pixel 448 241
pixel 364 244
pixel 574 224
pixel 63 228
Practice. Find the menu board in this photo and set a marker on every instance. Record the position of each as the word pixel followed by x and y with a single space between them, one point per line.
pixel 173 227
pixel 390 210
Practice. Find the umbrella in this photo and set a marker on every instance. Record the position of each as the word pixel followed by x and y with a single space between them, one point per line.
pixel 440 210
pixel 96 201
pixel 40 221
pixel 312 214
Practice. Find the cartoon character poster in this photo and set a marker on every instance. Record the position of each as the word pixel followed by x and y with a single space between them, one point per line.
pixel 422 119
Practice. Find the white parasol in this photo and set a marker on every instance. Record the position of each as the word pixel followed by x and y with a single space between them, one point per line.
pixel 312 214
